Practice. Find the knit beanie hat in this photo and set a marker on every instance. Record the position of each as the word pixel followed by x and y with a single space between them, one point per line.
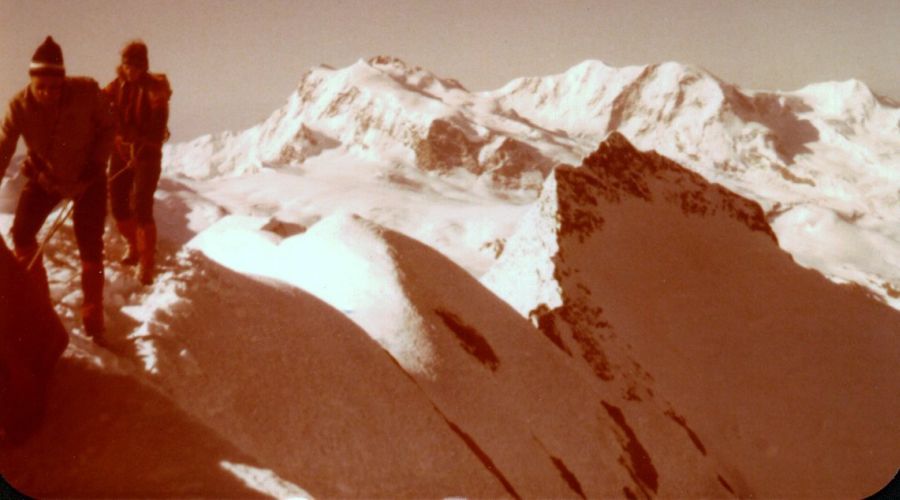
pixel 135 54
pixel 47 60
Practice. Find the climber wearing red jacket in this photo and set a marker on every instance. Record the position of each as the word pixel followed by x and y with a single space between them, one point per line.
pixel 141 102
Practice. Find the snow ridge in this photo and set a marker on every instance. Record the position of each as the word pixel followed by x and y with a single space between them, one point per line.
pixel 662 275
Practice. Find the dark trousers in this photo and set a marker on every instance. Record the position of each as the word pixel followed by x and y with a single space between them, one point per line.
pixel 89 217
pixel 131 189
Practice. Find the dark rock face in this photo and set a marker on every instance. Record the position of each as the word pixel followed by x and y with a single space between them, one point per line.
pixel 283 228
pixel 512 160
pixel 674 289
pixel 447 147
pixel 306 143
pixel 618 170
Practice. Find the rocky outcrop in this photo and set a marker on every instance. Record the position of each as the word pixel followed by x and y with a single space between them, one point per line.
pixel 505 163
pixel 674 290
pixel 617 171
pixel 445 147
pixel 516 165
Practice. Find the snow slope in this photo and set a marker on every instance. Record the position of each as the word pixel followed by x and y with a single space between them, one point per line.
pixel 537 416
pixel 422 384
pixel 462 224
pixel 655 271
pixel 273 379
pixel 107 434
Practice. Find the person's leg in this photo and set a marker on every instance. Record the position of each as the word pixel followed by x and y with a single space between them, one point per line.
pixel 147 175
pixel 35 204
pixel 89 219
pixel 120 192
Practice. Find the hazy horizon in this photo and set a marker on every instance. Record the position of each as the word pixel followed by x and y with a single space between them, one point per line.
pixel 232 63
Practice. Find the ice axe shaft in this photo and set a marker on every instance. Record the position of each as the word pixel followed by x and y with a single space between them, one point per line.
pixel 60 220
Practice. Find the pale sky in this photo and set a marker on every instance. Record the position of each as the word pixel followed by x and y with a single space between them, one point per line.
pixel 231 63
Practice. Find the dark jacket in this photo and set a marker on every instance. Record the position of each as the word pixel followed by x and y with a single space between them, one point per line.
pixel 141 108
pixel 31 341
pixel 67 147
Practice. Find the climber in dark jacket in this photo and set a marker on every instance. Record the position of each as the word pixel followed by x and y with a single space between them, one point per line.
pixel 141 102
pixel 67 126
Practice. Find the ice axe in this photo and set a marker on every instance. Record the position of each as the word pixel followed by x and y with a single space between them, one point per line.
pixel 60 220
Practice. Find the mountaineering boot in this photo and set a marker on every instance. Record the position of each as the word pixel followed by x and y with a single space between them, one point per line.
pixel 146 243
pixel 128 230
pixel 38 273
pixel 92 306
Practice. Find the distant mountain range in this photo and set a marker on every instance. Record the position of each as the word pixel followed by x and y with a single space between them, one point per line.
pixel 822 161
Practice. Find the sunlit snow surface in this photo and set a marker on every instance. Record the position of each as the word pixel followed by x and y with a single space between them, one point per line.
pixel 265 481
pixel 341 259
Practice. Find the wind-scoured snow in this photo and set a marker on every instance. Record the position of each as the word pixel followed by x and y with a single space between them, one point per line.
pixel 341 260
pixel 476 359
pixel 275 373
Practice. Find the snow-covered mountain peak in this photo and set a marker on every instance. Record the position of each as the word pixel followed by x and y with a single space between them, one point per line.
pixel 849 99
pixel 668 93
pixel 389 114
pixel 590 67
pixel 415 76
pixel 572 207
pixel 676 74
pixel 844 90
pixel 618 170
pixel 589 74
pixel 576 102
